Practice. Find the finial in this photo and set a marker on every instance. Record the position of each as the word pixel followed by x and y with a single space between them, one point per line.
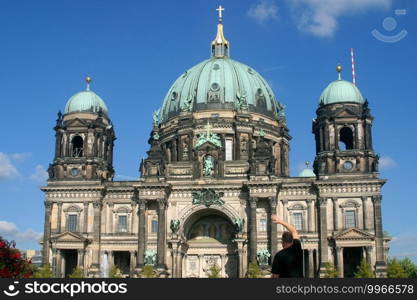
pixel 208 127
pixel 339 71
pixel 220 46
pixel 220 9
pixel 307 163
pixel 88 81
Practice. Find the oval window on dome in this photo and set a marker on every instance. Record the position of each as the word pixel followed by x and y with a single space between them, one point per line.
pixel 216 67
pixel 260 92
pixel 250 71
pixel 174 95
pixel 215 86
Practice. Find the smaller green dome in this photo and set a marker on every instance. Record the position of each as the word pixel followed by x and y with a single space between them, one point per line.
pixel 307 172
pixel 340 91
pixel 86 101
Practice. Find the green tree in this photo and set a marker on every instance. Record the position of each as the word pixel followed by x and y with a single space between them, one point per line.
pixel 330 271
pixel 409 267
pixel 214 271
pixel 44 272
pixel 364 270
pixel 395 270
pixel 148 272
pixel 77 272
pixel 115 272
pixel 254 271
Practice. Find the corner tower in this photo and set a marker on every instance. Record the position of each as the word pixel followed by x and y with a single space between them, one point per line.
pixel 84 139
pixel 343 131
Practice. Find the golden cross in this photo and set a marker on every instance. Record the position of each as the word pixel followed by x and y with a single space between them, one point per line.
pixel 220 10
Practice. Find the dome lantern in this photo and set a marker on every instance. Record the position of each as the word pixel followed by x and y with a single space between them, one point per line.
pixel 220 46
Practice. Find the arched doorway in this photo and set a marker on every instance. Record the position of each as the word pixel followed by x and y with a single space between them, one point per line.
pixel 209 234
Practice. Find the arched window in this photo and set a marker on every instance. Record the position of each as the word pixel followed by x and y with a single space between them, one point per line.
pixel 77 146
pixel 345 139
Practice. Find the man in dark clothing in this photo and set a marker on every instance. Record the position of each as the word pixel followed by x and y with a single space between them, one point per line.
pixel 289 261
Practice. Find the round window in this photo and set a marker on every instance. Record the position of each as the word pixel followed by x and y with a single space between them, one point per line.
pixel 75 172
pixel 174 95
pixel 215 86
pixel 348 165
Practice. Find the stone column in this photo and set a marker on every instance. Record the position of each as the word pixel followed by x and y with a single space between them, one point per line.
pixel 280 213
pixel 85 228
pixel 369 251
pixel 365 212
pixel 380 265
pixel 132 262
pixel 274 227
pixel 110 206
pixel 323 234
pixel 59 264
pixel 339 255
pixel 59 217
pixel 141 233
pixel 310 215
pixel 162 206
pixel 241 257
pixel 95 245
pixel 310 264
pixel 285 210
pixel 80 258
pixel 54 262
pixel 175 244
pixel 335 214
pixel 46 232
pixel 253 233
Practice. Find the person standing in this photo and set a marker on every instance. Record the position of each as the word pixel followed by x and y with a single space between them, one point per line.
pixel 288 262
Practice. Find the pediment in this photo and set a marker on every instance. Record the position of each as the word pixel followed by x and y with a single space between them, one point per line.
pixel 207 145
pixel 352 234
pixel 70 237
pixel 346 113
pixel 76 123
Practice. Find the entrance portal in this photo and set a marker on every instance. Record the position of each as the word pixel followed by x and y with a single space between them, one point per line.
pixel 122 261
pixel 70 258
pixel 210 243
pixel 352 257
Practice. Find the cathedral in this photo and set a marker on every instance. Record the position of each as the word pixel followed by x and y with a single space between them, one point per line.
pixel 216 170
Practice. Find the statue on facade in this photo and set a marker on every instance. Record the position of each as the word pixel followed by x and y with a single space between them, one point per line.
pixel 239 224
pixel 208 166
pixel 208 197
pixel 188 103
pixel 175 225
pixel 155 117
pixel 263 257
pixel 241 103
pixel 280 111
pixel 150 257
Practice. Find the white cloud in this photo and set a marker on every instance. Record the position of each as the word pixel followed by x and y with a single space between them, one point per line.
pixel 386 162
pixel 320 17
pixel 40 175
pixel 7 169
pixel 9 231
pixel 263 11
pixel 19 157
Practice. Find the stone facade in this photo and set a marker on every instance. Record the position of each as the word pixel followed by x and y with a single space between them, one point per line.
pixel 213 175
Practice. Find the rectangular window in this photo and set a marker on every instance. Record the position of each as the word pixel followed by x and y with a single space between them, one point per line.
pixel 297 220
pixel 72 223
pixel 154 226
pixel 350 219
pixel 229 149
pixel 262 225
pixel 122 223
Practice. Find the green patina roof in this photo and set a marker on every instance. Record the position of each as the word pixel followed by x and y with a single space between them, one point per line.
pixel 307 172
pixel 341 91
pixel 85 101
pixel 230 79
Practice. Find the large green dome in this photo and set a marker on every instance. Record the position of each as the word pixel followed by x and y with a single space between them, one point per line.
pixel 219 83
pixel 340 91
pixel 85 101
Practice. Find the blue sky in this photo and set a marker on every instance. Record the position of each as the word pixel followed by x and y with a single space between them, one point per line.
pixel 134 50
